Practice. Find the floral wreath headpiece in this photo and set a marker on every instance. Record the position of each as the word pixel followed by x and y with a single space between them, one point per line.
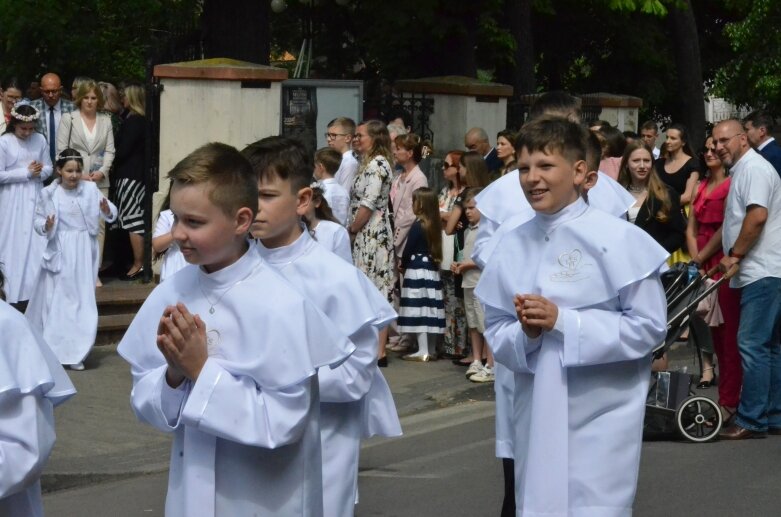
pixel 24 118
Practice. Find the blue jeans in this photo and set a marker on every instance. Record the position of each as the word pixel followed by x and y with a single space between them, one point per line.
pixel 760 354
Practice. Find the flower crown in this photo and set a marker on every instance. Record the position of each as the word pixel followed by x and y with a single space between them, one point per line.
pixel 24 118
pixel 316 184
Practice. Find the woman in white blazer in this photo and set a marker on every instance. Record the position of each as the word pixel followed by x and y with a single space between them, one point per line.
pixel 89 132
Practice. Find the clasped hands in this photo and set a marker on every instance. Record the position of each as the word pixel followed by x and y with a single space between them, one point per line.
pixel 535 313
pixel 181 338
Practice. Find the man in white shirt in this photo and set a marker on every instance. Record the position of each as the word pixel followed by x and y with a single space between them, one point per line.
pixel 51 107
pixel 649 131
pixel 752 258
pixel 339 136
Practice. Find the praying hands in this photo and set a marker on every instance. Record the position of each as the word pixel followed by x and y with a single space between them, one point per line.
pixel 535 313
pixel 181 338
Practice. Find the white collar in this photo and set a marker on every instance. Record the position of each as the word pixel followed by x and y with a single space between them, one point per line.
pixel 549 222
pixel 231 274
pixel 765 143
pixel 286 254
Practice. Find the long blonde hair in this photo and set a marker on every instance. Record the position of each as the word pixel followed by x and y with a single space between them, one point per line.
pixel 656 188
pixel 425 205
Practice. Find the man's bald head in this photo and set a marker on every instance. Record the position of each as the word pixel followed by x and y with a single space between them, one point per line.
pixel 731 141
pixel 51 88
pixel 476 139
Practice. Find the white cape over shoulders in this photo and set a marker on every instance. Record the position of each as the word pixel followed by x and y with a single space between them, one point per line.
pixel 246 433
pixel 32 382
pixel 580 388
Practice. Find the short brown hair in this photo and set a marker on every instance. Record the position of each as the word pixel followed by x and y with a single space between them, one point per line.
pixel 555 135
pixel 234 184
pixel 329 158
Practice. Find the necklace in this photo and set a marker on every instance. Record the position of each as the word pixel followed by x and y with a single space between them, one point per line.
pixel 637 190
pixel 212 305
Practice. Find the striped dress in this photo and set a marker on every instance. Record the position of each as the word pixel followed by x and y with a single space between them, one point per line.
pixel 422 308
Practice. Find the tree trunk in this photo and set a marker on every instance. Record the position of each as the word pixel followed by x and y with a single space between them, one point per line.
pixel 519 13
pixel 236 29
pixel 687 62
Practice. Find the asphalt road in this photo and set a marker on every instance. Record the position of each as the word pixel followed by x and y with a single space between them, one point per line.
pixel 444 465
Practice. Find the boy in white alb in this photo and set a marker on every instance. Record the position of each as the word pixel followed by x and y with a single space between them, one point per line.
pixel 339 136
pixel 355 399
pixel 222 357
pixel 33 383
pixel 327 162
pixel 577 325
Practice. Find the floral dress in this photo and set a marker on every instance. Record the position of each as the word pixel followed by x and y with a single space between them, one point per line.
pixel 373 246
pixel 455 317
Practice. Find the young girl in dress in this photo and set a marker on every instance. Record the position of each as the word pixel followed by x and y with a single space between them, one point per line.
pixel 325 227
pixel 163 243
pixel 62 306
pixel 422 309
pixel 24 165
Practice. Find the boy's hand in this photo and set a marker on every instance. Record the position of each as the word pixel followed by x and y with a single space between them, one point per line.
pixel 182 340
pixel 49 223
pixel 455 267
pixel 535 313
pixel 104 206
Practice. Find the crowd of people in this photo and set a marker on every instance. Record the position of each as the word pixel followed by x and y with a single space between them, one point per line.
pixel 68 167
pixel 537 266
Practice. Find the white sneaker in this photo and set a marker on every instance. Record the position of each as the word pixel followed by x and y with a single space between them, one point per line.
pixel 484 375
pixel 475 367
pixel 78 367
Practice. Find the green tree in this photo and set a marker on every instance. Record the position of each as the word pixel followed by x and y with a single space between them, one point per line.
pixel 753 75
pixel 106 39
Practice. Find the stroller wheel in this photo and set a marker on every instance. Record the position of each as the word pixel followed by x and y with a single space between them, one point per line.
pixel 698 419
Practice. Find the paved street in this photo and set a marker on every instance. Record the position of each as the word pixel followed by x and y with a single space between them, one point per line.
pixel 444 464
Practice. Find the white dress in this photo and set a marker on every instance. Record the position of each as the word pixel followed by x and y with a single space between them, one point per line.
pixel 20 247
pixel 334 238
pixel 173 260
pixel 580 388
pixel 338 199
pixel 31 384
pixel 246 433
pixel 62 306
pixel 355 398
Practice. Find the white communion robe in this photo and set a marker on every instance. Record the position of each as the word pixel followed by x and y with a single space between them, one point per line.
pixel 20 247
pixel 334 237
pixel 246 432
pixel 62 306
pixel 580 389
pixel 355 399
pixel 503 206
pixel 32 383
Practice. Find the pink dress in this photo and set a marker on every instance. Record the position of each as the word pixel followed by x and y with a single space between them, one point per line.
pixel 709 213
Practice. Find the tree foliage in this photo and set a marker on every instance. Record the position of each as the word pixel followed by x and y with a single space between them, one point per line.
pixel 753 75
pixel 106 39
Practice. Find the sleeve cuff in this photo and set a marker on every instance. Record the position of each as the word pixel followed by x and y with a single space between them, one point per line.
pixel 200 393
pixel 172 400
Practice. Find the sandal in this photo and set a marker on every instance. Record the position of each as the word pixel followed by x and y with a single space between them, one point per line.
pixel 703 384
pixel 727 415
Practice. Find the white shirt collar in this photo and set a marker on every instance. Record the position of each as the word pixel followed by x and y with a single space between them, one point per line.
pixel 286 254
pixel 764 144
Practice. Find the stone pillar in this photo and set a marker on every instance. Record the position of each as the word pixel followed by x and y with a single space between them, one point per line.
pixel 214 100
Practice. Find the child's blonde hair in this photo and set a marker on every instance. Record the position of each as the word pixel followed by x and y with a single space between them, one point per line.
pixel 425 205
pixel 233 183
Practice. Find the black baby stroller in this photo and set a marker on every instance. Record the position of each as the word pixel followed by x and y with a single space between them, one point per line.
pixel 672 405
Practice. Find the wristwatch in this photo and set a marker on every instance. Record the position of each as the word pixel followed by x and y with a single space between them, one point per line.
pixel 738 256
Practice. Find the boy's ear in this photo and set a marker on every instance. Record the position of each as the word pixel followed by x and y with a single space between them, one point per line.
pixel 581 173
pixel 591 180
pixel 244 219
pixel 304 196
